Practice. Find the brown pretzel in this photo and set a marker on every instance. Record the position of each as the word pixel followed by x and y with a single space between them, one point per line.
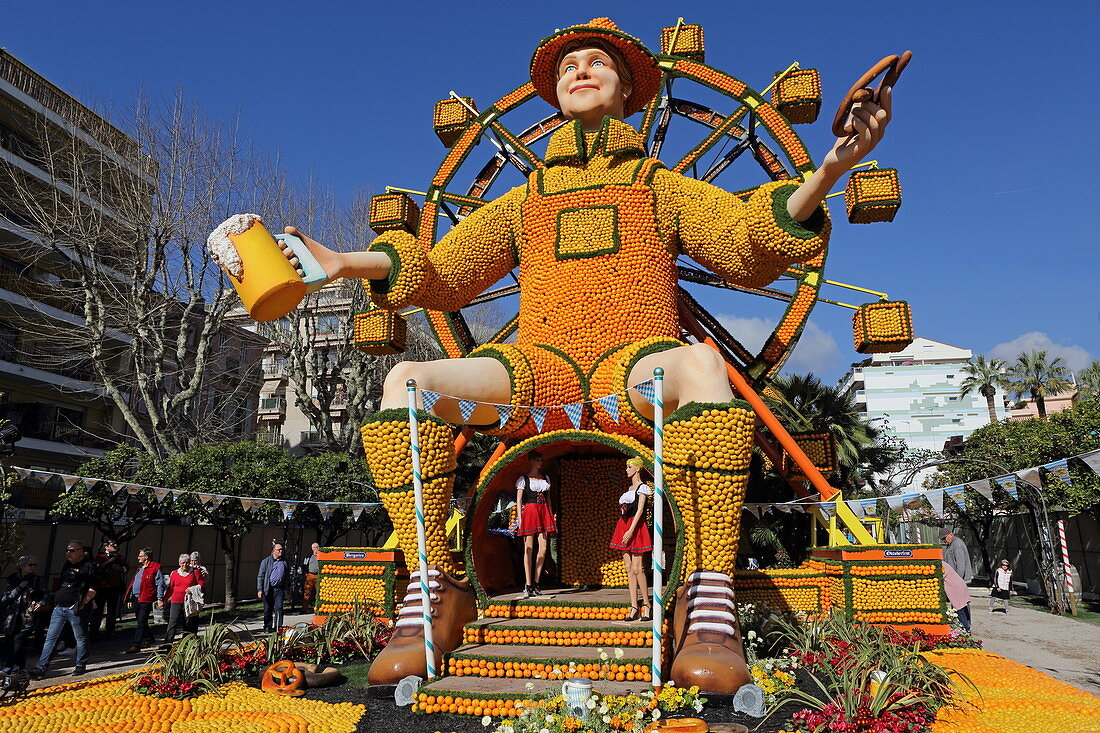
pixel 862 92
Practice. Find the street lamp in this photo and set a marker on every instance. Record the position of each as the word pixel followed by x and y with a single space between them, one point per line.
pixel 1048 560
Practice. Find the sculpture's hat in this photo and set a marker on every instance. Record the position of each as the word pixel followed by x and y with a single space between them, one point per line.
pixel 643 64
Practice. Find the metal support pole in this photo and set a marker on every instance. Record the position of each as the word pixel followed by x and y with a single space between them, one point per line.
pixel 1067 567
pixel 421 533
pixel 658 521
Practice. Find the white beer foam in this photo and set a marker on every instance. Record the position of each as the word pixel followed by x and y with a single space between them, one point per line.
pixel 221 247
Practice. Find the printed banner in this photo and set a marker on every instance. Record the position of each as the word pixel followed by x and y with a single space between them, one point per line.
pixel 611 404
pixel 357 510
pixel 1061 470
pixel 857 507
pixel 1008 483
pixel 1030 476
pixel 161 494
pixel 935 499
pixel 69 481
pixel 983 487
pixel 870 506
pixel 288 508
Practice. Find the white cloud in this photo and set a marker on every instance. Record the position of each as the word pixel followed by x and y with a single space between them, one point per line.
pixel 816 352
pixel 1075 357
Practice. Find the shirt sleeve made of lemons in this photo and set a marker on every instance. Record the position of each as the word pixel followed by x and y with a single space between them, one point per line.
pixel 748 243
pixel 466 261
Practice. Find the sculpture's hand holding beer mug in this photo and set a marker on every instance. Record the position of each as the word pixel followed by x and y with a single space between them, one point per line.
pixel 273 274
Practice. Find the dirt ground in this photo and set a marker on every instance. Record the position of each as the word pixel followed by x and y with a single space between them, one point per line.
pixel 1061 646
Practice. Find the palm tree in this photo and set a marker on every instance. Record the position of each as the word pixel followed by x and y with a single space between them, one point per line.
pixel 803 404
pixel 1088 380
pixel 985 376
pixel 1034 375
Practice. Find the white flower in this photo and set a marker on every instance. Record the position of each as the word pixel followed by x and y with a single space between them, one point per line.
pixel 670 684
pixel 591 703
pixel 619 654
pixel 656 713
pixel 752 634
pixel 486 721
pixel 639 714
pixel 545 730
pixel 698 706
pixel 603 656
pixel 606 718
pixel 604 709
pixel 530 685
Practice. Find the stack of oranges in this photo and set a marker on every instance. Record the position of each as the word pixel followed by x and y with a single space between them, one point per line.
pixel 614 637
pixel 548 670
pixel 542 609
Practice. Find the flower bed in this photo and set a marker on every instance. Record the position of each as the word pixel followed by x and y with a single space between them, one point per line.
pixel 108 705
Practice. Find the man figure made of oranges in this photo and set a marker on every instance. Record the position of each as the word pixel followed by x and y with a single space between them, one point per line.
pixel 595 235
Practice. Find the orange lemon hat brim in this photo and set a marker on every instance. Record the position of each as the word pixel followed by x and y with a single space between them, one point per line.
pixel 643 64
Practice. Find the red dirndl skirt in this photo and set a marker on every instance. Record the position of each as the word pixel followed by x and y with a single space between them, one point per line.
pixel 640 543
pixel 536 518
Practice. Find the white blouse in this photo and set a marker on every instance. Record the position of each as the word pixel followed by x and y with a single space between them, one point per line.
pixel 538 485
pixel 628 496
pixel 1002 579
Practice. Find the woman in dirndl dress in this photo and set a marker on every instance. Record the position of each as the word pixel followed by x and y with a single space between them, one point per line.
pixel 632 537
pixel 536 521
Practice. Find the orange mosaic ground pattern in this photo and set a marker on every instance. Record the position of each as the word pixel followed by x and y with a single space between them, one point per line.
pixel 106 705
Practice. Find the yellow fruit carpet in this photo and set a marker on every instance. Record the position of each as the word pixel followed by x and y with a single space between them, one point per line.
pixel 1012 697
pixel 106 705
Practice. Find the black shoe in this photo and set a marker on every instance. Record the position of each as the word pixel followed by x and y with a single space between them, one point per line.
pixel 536 590
pixel 79 670
pixel 646 615
pixel 37 673
pixel 633 615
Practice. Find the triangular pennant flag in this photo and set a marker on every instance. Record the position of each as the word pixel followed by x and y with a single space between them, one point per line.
pixel 503 412
pixel 1092 460
pixel 216 500
pixel 827 508
pixel 1030 476
pixel 538 414
pixel 1061 470
pixel 935 498
pixel 798 508
pixel 357 510
pixel 870 506
pixel 646 389
pixel 983 487
pixel 1008 483
pixel 177 493
pixel 611 405
pixel 160 493
pixel 326 510
pixel 23 472
pixel 857 507
pixel 428 399
pixel 69 481
pixel 785 508
pixel 116 486
pixel 574 412
pixel 466 409
pixel 895 502
pixel 288 508
pixel 134 489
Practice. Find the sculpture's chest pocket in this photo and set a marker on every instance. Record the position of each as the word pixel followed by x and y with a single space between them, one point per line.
pixel 587 231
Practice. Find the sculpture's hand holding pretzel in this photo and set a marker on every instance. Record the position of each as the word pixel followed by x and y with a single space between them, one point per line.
pixel 859 124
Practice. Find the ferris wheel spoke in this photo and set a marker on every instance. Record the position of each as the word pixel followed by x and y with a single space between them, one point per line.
pixel 726 160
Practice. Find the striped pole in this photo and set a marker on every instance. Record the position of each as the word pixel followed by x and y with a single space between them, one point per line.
pixel 1065 556
pixel 421 532
pixel 658 520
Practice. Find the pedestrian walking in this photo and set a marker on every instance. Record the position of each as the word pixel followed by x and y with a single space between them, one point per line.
pixel 956 554
pixel 196 595
pixel 145 590
pixel 179 581
pixel 1001 589
pixel 311 567
pixel 76 589
pixel 22 604
pixel 271 584
pixel 958 595
pixel 112 570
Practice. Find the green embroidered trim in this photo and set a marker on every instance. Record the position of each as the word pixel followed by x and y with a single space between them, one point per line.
pixel 808 229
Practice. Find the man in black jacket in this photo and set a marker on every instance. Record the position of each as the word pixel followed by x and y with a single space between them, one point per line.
pixel 77 583
pixel 271 584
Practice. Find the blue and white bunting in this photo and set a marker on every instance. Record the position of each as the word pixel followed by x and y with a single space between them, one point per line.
pixel 428 399
pixel 827 508
pixel 357 510
pixel 611 404
pixel 1008 483
pixel 895 502
pixel 466 409
pixel 935 500
pixel 1061 470
pixel 1092 460
pixel 288 508
pixel 538 414
pixel 574 412
pixel 983 487
pixel 503 412
pixel 857 507
pixel 645 389
pixel 326 510
pixel 870 506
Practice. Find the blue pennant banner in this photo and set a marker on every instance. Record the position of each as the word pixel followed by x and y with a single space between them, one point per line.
pixel 466 409
pixel 935 500
pixel 538 414
pixel 504 412
pixel 428 399
pixel 870 506
pixel 611 404
pixel 574 412
pixel 645 389
pixel 288 508
pixel 1008 483
pixel 827 508
pixel 1061 470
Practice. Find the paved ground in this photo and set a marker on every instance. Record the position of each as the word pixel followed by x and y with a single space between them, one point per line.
pixel 1061 646
pixel 108 655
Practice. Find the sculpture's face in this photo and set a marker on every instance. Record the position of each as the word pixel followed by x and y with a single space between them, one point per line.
pixel 589 87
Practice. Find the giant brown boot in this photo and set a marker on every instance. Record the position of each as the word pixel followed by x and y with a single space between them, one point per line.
pixel 707 450
pixel 386 443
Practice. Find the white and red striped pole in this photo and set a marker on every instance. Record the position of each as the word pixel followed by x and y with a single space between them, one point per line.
pixel 1065 556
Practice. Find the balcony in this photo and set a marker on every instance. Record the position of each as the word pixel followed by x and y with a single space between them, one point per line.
pixel 273 404
pixel 270 437
pixel 56 296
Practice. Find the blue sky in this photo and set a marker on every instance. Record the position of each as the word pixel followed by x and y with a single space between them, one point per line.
pixel 993 131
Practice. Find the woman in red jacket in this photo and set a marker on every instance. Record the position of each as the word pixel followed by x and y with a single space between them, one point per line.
pixel 179 581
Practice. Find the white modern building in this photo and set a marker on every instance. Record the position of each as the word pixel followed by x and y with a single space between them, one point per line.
pixel 914 393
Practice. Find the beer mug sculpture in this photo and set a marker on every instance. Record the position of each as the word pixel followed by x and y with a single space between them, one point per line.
pixel 268 284
pixel 576 692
